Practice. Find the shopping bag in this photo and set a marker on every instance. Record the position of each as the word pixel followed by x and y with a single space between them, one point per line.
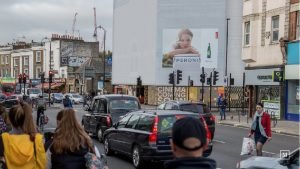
pixel 248 146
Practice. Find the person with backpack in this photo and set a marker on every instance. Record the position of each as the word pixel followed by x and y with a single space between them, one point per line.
pixel 41 107
pixel 3 119
pixel 22 147
pixel 67 102
pixel 222 106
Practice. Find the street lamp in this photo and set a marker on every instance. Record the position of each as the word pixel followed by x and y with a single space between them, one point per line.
pixel 104 38
pixel 50 59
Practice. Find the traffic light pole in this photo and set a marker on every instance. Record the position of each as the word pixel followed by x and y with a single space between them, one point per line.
pixel 173 90
pixel 210 92
pixel 188 88
pixel 229 90
pixel 49 73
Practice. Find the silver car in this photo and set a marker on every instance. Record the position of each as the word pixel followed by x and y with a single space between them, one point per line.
pixel 291 161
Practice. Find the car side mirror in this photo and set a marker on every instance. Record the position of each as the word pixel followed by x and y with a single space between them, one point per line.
pixel 284 161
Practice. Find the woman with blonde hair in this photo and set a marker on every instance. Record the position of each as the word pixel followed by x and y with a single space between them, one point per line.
pixel 22 147
pixel 70 143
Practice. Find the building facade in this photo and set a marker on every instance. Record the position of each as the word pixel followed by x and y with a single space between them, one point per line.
pixel 292 67
pixel 143 45
pixel 266 29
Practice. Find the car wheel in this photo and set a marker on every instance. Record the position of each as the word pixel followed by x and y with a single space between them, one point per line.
pixel 107 149
pixel 100 134
pixel 136 157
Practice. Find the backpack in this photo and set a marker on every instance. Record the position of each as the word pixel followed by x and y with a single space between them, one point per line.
pixel 66 102
pixel 3 126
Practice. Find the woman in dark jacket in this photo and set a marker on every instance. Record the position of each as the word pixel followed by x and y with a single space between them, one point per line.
pixel 261 127
pixel 70 143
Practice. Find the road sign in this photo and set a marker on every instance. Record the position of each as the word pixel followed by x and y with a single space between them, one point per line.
pixel 277 76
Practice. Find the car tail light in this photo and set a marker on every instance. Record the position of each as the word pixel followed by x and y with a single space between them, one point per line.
pixel 208 134
pixel 212 118
pixel 153 135
pixel 108 121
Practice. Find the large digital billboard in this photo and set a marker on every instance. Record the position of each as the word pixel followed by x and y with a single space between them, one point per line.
pixel 190 48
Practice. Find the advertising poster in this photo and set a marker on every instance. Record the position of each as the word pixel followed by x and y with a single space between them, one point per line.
pixel 190 49
pixel 272 107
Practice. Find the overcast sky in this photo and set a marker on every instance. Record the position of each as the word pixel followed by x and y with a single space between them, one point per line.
pixel 35 19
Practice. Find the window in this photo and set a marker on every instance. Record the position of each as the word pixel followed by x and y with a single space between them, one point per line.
pixel 161 107
pixel 16 62
pixel 96 106
pixel 7 58
pixel 38 56
pixel 247 33
pixel 3 60
pixel 171 106
pixel 26 71
pixel 132 121
pixel 298 27
pixel 123 121
pixel 26 61
pixel 38 71
pixel 145 123
pixel 275 28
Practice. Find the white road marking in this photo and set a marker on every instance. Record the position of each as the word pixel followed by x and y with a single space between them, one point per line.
pixel 219 141
pixel 268 152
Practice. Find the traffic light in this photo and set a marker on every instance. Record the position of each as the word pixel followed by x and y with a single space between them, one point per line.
pixel 231 81
pixel 191 83
pixel 139 81
pixel 208 81
pixel 20 78
pixel 202 78
pixel 50 76
pixel 171 78
pixel 42 77
pixel 24 78
pixel 215 77
pixel 179 76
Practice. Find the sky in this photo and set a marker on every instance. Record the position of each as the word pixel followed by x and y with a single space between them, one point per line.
pixel 27 20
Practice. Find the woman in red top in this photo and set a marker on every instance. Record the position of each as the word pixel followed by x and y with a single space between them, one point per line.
pixel 261 127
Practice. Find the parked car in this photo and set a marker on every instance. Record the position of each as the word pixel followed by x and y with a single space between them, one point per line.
pixel 144 135
pixel 289 162
pixel 9 103
pixel 75 98
pixel 195 107
pixel 57 97
pixel 46 98
pixel 105 110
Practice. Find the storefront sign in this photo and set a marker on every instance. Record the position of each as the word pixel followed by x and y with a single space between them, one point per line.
pixel 166 93
pixel 261 77
pixel 277 76
pixel 272 107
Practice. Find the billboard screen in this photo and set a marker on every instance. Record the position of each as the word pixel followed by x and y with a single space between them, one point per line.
pixel 190 48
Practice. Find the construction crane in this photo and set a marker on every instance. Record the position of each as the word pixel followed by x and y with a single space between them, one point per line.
pixel 95 26
pixel 74 22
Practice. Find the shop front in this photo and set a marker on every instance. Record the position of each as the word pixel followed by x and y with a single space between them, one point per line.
pixel 261 87
pixel 292 82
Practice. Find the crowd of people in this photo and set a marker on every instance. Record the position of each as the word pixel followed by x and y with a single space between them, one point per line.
pixel 23 147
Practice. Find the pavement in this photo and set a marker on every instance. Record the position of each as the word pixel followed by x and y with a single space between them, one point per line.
pixel 233 119
pixel 282 126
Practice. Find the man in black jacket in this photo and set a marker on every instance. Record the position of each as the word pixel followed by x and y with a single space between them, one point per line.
pixel 188 144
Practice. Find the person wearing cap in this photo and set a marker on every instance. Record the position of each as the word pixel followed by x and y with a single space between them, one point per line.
pixel 188 144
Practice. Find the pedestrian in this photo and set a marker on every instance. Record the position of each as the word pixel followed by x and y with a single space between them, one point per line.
pixel 67 102
pixel 22 147
pixel 70 143
pixel 222 107
pixel 261 127
pixel 41 107
pixel 188 144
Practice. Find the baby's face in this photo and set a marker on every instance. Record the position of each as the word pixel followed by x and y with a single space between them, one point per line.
pixel 185 41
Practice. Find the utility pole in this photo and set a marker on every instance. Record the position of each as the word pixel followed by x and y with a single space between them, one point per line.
pixel 188 87
pixel 202 80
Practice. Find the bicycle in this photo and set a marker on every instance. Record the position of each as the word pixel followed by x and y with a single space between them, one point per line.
pixel 43 120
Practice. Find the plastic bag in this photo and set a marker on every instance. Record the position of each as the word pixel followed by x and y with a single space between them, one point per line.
pixel 248 146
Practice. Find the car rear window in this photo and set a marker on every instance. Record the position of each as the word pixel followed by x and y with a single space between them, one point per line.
pixel 10 103
pixel 165 123
pixel 124 104
pixel 195 108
